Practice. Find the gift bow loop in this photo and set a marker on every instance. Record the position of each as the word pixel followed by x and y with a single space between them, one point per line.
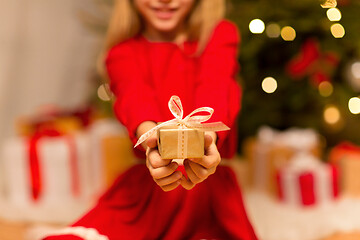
pixel 190 121
pixel 175 107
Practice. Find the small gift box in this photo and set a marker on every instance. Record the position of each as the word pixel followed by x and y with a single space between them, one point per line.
pixel 306 181
pixel 347 157
pixel 180 137
pixel 180 143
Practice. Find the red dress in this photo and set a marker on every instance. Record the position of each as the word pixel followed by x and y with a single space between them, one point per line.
pixel 144 75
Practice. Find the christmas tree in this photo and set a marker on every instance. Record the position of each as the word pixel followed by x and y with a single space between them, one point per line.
pixel 300 66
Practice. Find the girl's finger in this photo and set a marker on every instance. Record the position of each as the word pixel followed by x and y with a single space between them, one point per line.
pixel 207 141
pixel 187 184
pixel 171 186
pixel 174 177
pixel 151 142
pixel 199 170
pixel 209 161
pixel 162 172
pixel 190 173
pixel 155 159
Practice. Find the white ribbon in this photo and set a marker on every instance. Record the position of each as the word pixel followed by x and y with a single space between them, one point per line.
pixel 190 121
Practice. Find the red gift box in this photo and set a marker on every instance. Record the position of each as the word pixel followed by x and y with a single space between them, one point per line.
pixel 307 181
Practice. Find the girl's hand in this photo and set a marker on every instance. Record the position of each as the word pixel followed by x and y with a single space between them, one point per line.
pixel 198 169
pixel 163 171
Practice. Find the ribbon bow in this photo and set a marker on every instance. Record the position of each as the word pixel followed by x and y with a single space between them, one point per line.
pixel 190 121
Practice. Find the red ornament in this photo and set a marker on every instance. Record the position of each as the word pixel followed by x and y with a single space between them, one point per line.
pixel 311 62
pixel 343 2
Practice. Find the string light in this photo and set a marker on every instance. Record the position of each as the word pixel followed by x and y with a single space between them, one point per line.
pixel 337 30
pixel 269 85
pixel 333 14
pixel 273 30
pixel 288 33
pixel 331 114
pixel 257 26
pixel 325 89
pixel 354 105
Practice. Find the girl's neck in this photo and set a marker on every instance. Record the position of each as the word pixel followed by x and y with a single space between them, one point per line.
pixel 178 36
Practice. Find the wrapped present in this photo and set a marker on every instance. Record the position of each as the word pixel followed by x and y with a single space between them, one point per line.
pixel 306 181
pixel 50 116
pixel 111 151
pixel 241 168
pixel 347 157
pixel 174 142
pixel 46 176
pixel 273 149
pixel 183 137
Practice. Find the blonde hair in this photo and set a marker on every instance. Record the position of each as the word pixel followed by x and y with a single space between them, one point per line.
pixel 126 23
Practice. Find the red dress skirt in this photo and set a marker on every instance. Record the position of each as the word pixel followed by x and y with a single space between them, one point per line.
pixel 136 208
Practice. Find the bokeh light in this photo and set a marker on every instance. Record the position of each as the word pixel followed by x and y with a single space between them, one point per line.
pixel 257 26
pixel 333 14
pixel 325 89
pixel 288 33
pixel 102 92
pixel 328 3
pixel 269 85
pixel 331 114
pixel 273 30
pixel 355 69
pixel 337 30
pixel 354 105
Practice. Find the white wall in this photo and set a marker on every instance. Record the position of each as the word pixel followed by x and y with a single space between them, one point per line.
pixel 47 56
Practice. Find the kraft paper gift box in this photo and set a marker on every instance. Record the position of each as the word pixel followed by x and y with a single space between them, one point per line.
pixel 57 187
pixel 183 137
pixel 180 143
pixel 307 181
pixel 272 149
pixel 347 157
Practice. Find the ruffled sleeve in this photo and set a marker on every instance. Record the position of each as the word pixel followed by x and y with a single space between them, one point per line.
pixel 216 86
pixel 135 101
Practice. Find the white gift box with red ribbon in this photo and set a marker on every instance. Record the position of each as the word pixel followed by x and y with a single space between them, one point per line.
pixel 307 181
pixel 295 139
pixel 55 186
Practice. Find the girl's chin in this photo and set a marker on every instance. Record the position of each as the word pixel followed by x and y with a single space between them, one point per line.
pixel 167 27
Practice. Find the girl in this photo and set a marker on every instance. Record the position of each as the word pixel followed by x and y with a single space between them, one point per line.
pixel 156 49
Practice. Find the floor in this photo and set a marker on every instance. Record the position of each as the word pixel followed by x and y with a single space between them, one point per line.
pixel 20 231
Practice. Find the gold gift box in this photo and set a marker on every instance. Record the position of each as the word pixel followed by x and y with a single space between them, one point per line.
pixel 116 156
pixel 350 180
pixel 180 143
pixel 348 162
